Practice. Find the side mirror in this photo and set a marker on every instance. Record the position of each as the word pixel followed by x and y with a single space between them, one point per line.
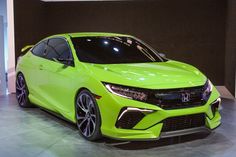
pixel 26 48
pixel 66 62
pixel 162 55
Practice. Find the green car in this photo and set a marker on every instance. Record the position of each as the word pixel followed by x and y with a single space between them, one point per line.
pixel 117 86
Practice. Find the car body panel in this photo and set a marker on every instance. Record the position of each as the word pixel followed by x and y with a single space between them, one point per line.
pixel 55 86
pixel 160 75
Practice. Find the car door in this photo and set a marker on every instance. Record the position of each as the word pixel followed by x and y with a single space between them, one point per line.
pixel 35 76
pixel 60 69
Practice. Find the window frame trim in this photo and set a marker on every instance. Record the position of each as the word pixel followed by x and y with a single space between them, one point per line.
pixel 31 50
pixel 162 59
pixel 47 41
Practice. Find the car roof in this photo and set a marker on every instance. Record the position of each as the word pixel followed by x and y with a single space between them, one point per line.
pixel 90 34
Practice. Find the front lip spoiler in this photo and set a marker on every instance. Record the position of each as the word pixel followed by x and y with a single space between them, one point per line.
pixel 202 129
pixel 184 132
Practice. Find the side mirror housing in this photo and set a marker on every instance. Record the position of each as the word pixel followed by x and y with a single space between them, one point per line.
pixel 66 62
pixel 26 48
pixel 162 55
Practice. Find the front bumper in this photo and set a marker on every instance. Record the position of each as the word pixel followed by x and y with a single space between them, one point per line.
pixel 150 126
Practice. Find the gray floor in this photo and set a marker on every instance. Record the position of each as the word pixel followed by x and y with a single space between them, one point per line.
pixel 33 132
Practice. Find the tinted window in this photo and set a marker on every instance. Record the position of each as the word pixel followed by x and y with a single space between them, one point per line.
pixel 39 49
pixel 58 49
pixel 111 50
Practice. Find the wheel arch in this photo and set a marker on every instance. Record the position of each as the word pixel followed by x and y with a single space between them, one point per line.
pixel 83 88
pixel 19 72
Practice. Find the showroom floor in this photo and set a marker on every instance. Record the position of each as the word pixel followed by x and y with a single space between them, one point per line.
pixel 33 132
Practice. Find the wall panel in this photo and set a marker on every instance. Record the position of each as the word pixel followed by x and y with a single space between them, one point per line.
pixel 192 31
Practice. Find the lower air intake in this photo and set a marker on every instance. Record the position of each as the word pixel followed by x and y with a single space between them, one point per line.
pixel 128 119
pixel 183 122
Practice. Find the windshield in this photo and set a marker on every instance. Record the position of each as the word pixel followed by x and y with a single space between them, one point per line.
pixel 113 50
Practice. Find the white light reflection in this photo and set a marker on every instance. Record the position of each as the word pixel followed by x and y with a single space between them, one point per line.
pixel 106 42
pixel 116 49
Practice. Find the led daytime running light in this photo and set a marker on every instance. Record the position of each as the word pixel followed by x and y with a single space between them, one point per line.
pixel 126 92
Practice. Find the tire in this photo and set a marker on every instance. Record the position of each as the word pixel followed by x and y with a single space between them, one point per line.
pixel 22 92
pixel 88 117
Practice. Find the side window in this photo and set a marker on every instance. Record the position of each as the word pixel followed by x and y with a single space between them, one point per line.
pixel 58 49
pixel 39 49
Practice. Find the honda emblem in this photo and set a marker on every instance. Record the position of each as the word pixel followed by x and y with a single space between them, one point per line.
pixel 185 97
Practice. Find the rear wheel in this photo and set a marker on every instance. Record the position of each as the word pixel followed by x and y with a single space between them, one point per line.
pixel 22 91
pixel 88 116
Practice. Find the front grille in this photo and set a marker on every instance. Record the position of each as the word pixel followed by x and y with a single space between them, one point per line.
pixel 172 98
pixel 183 122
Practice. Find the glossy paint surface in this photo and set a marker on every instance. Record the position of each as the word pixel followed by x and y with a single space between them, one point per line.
pixel 55 87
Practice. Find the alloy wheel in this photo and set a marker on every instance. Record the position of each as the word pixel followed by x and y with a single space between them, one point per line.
pixel 21 90
pixel 86 115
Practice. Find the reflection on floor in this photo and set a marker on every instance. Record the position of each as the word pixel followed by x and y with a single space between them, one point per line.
pixel 35 133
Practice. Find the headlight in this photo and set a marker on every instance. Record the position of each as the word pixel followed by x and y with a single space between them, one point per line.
pixel 126 92
pixel 207 90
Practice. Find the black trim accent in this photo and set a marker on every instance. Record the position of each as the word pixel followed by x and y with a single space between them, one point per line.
pixel 168 134
pixel 215 106
pixel 57 115
pixel 127 119
pixel 184 132
pixel 183 122
pixel 72 64
pixel 169 99
pixel 162 121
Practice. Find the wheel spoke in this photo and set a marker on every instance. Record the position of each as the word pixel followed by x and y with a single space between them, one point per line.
pixel 80 117
pixel 17 83
pixel 23 97
pixel 93 123
pixel 21 81
pixel 20 99
pixel 81 123
pixel 87 99
pixel 85 131
pixel 81 105
pixel 86 117
pixel 18 88
pixel 23 87
pixel 19 95
pixel 84 101
pixel 93 116
pixel 90 105
pixel 88 128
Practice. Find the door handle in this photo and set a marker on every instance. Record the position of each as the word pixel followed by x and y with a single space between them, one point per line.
pixel 40 67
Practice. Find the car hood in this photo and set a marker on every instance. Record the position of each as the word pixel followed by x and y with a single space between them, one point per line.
pixel 154 75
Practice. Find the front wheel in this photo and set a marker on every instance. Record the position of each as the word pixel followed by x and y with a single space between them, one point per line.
pixel 88 116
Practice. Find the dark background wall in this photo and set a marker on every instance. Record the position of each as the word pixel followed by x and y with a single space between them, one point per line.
pixel 191 31
pixel 29 19
pixel 230 53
